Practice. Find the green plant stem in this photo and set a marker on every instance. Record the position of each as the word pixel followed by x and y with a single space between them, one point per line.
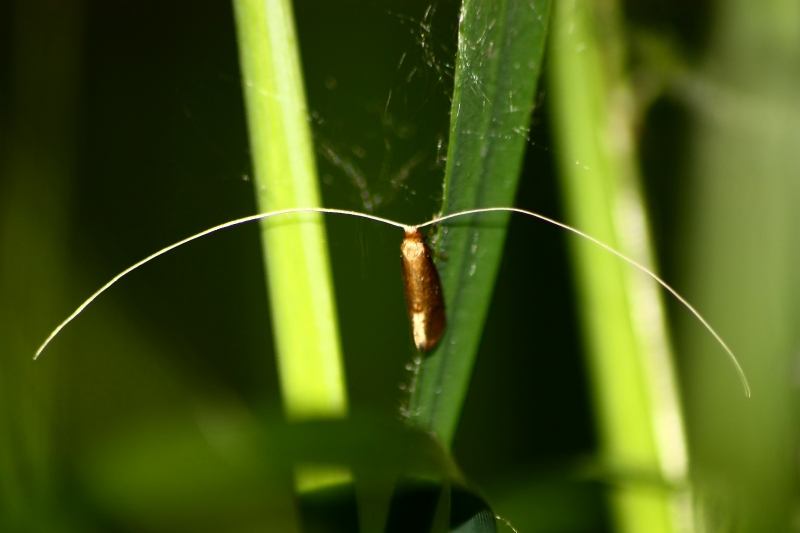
pixel 500 48
pixel 295 250
pixel 635 392
pixel 740 258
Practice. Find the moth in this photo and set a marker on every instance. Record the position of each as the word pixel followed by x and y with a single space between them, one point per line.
pixel 423 289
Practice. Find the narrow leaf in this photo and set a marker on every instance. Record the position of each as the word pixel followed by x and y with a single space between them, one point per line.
pixel 500 48
pixel 636 400
pixel 295 251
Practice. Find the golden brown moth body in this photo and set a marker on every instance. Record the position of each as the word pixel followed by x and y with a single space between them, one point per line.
pixel 423 291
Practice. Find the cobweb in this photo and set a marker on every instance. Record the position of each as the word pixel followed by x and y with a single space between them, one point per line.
pixel 398 149
pixel 391 147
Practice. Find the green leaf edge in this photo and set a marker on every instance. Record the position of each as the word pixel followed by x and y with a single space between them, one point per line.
pixel 500 50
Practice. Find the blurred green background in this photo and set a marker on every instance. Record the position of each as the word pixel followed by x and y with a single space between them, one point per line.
pixel 122 130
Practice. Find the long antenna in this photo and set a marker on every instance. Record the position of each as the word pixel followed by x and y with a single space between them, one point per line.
pixel 196 236
pixel 625 258
pixel 405 227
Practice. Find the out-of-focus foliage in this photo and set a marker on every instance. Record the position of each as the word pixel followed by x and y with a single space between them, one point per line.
pixel 122 130
pixel 642 441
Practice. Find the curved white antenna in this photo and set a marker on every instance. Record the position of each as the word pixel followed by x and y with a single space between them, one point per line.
pixel 197 236
pixel 404 227
pixel 506 522
pixel 622 256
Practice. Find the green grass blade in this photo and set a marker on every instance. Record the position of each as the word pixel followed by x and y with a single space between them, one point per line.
pixel 635 392
pixel 739 258
pixel 500 48
pixel 295 251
